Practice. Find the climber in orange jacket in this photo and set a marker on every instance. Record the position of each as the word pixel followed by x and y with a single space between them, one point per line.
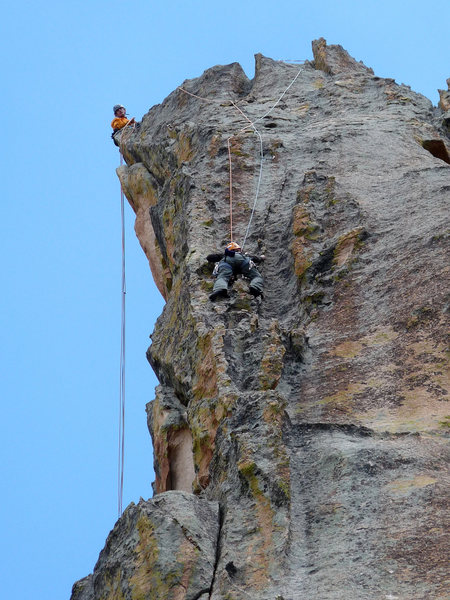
pixel 120 119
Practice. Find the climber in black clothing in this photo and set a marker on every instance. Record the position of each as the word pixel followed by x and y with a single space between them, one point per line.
pixel 232 262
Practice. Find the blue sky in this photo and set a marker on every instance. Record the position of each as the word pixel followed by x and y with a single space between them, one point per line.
pixel 66 64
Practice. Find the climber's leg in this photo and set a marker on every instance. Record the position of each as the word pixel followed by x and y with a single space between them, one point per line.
pixel 256 280
pixel 221 284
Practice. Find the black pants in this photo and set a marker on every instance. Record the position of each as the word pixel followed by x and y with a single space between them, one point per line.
pixel 234 265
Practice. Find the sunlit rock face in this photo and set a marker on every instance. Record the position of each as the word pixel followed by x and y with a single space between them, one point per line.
pixel 315 417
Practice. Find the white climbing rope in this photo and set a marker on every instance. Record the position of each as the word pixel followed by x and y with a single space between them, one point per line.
pixel 252 124
pixel 261 151
pixel 121 453
pixel 255 130
pixel 280 98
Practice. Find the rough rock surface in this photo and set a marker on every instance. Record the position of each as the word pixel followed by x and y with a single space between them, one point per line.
pixel 162 548
pixel 316 417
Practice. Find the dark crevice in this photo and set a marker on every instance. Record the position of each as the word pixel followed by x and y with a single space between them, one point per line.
pixel 437 148
pixel 322 263
pixel 231 569
pixel 299 431
pixel 217 559
pixel 200 594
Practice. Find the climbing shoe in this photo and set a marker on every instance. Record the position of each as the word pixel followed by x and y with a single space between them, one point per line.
pixel 255 292
pixel 218 294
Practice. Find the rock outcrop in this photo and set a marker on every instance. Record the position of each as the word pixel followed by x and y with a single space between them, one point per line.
pixel 444 104
pixel 163 548
pixel 316 418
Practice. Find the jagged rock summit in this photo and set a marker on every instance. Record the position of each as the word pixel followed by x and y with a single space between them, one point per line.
pixel 299 440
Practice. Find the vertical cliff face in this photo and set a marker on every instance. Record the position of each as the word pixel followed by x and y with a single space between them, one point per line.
pixel 299 439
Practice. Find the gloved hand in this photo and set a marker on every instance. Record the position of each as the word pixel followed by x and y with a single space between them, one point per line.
pixel 214 257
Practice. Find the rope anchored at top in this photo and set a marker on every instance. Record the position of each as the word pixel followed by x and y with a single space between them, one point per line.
pixel 251 124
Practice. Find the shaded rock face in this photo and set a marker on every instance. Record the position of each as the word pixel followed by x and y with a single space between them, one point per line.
pixel 317 416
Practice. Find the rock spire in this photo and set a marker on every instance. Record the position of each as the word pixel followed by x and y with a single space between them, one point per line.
pixel 299 439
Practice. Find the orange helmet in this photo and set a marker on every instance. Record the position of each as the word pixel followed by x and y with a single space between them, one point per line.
pixel 233 246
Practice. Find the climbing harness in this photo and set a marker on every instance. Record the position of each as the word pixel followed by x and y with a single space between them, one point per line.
pixel 261 150
pixel 121 453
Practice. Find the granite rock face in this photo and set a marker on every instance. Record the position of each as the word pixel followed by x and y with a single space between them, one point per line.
pixel 316 417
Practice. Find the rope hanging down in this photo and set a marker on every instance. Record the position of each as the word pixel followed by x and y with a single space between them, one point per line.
pixel 121 452
pixel 261 152
pixel 255 130
pixel 121 441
